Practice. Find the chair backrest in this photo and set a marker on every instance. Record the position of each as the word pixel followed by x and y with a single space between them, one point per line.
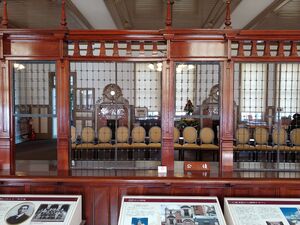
pixel 104 135
pixel 87 134
pixel 206 135
pixel 242 135
pixel 295 136
pixel 190 135
pixel 155 134
pixel 138 134
pixel 261 135
pixel 122 134
pixel 73 134
pixel 279 136
pixel 176 135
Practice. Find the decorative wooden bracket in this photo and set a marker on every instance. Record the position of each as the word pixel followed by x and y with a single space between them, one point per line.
pixel 63 20
pixel 228 18
pixel 169 13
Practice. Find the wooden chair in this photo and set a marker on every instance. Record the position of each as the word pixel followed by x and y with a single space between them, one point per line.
pixel 87 145
pixel 279 137
pixel 122 136
pixel 104 138
pixel 261 137
pixel 155 137
pixel 242 143
pixel 176 136
pixel 154 143
pixel 87 138
pixel 207 137
pixel 73 137
pixel 190 140
pixel 138 135
pixel 138 145
pixel 295 141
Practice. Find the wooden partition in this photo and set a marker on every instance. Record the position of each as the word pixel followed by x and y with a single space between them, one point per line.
pixel 169 46
pixel 102 196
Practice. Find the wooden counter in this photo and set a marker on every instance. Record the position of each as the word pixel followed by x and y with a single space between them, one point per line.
pixel 102 195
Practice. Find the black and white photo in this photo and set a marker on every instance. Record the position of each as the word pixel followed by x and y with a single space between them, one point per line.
pixel 51 213
pixel 20 213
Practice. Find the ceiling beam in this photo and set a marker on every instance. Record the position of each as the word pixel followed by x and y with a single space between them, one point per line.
pixel 246 11
pixel 216 17
pixel 77 14
pixel 272 7
pixel 96 13
pixel 119 13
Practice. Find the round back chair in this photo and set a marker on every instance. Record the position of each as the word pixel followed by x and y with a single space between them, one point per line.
pixel 122 134
pixel 261 136
pixel 242 135
pixel 138 134
pixel 295 136
pixel 155 134
pixel 104 135
pixel 190 135
pixel 207 135
pixel 279 136
pixel 87 134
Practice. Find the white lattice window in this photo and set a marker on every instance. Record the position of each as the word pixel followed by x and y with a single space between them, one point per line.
pixel 253 91
pixel 288 89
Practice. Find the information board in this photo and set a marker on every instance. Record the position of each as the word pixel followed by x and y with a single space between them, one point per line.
pixel 40 209
pixel 165 210
pixel 262 211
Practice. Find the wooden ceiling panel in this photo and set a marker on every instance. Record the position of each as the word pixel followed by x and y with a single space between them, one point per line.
pixel 283 14
pixel 150 14
pixel 42 14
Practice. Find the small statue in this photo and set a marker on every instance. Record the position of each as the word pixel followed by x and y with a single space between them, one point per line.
pixel 189 107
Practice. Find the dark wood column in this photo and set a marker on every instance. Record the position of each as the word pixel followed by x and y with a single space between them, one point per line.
pixel 63 114
pixel 167 156
pixel 226 125
pixel 6 133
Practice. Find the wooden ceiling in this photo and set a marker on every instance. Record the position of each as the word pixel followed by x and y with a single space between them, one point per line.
pixel 43 14
pixel 282 14
pixel 150 14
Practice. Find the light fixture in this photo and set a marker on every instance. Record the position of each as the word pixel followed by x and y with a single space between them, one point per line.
pixel 112 93
pixel 18 66
pixel 151 66
pixel 159 67
pixel 155 67
pixel 182 67
pixel 191 67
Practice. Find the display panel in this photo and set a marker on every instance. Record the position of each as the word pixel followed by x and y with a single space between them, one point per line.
pixel 165 210
pixel 40 209
pixel 262 211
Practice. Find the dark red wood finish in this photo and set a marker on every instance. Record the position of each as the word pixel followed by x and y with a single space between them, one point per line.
pixel 225 46
pixel 63 114
pixel 6 134
pixel 102 196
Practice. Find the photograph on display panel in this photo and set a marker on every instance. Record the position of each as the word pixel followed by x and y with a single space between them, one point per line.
pixel 20 213
pixel 189 214
pixel 292 215
pixel 165 210
pixel 51 213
